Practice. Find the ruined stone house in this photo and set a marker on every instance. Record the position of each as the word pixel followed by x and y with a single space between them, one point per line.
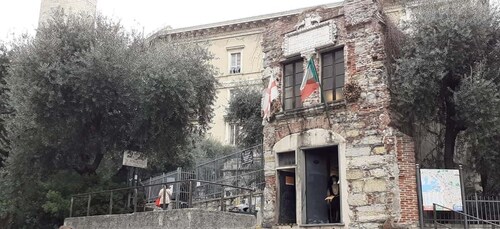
pixel 342 130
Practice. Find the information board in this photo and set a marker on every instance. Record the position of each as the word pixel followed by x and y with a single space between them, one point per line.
pixel 441 186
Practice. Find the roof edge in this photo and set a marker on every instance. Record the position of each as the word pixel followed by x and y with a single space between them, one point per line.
pixel 166 30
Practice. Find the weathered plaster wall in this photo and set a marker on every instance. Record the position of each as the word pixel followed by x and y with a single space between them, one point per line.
pixel 378 160
pixel 47 7
pixel 221 42
pixel 170 219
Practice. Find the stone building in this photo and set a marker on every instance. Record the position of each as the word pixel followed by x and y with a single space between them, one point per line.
pixel 47 7
pixel 343 130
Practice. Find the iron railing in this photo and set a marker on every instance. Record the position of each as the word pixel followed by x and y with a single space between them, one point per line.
pixel 484 206
pixel 188 186
pixel 244 168
pixel 479 206
pixel 461 217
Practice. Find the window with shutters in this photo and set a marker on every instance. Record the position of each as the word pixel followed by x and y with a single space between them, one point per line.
pixel 235 64
pixel 332 75
pixel 292 78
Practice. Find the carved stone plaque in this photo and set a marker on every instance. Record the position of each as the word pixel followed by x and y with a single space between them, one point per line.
pixel 310 36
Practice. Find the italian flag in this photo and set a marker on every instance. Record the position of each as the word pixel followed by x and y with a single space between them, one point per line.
pixel 310 82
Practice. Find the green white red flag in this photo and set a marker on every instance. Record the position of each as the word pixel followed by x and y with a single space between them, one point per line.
pixel 310 82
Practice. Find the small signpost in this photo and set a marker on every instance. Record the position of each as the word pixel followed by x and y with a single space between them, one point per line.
pixel 134 159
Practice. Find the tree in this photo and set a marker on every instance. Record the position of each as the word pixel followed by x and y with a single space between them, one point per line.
pixel 4 111
pixel 83 91
pixel 244 109
pixel 447 71
pixel 206 149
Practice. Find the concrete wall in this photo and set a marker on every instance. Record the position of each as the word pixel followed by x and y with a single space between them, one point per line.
pixel 170 219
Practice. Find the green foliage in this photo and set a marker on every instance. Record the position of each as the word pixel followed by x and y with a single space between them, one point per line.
pixel 244 109
pixel 4 111
pixel 83 91
pixel 447 71
pixel 209 149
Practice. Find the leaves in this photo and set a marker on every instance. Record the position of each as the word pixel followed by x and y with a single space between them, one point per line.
pixel 244 109
pixel 447 71
pixel 83 91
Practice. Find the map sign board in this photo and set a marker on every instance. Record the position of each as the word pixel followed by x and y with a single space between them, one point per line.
pixel 134 159
pixel 441 186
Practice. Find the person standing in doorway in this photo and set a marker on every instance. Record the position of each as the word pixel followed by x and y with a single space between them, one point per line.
pixel 333 199
pixel 165 196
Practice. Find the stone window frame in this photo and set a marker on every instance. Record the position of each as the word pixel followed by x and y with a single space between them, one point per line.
pixel 297 63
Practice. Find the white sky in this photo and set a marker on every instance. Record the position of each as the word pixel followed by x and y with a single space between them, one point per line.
pixel 21 16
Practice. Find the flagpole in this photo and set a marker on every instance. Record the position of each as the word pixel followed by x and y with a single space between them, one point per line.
pixel 325 103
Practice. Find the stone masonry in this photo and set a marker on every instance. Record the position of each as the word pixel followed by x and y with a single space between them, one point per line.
pixel 379 172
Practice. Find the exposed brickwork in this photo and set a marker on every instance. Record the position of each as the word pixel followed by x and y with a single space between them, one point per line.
pixel 407 179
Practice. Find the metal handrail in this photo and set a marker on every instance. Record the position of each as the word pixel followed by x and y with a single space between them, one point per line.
pixel 229 155
pixel 434 205
pixel 163 184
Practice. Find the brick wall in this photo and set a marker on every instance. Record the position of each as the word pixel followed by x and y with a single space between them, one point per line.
pixel 407 179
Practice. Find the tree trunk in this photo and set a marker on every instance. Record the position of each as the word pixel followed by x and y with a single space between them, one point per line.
pixel 484 180
pixel 449 143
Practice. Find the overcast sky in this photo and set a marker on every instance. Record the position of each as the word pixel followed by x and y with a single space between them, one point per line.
pixel 20 16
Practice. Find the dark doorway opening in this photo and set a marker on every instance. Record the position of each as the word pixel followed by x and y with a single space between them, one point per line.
pixel 322 186
pixel 287 197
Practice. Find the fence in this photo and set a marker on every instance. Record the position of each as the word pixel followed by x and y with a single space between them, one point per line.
pixel 116 201
pixel 225 179
pixel 244 168
pixel 153 188
pixel 468 221
pixel 483 211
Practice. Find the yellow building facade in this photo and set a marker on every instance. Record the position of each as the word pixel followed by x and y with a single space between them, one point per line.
pixel 238 58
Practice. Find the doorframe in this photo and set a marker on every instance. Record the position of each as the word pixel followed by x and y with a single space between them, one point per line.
pixel 278 192
pixel 313 138
pixel 342 173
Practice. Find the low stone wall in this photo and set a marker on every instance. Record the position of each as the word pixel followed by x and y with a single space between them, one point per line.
pixel 170 219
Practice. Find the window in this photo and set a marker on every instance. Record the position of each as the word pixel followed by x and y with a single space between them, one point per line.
pixel 234 131
pixel 235 64
pixel 286 159
pixel 332 72
pixel 292 75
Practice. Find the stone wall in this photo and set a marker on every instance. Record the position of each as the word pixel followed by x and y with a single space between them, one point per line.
pixel 379 174
pixel 170 219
